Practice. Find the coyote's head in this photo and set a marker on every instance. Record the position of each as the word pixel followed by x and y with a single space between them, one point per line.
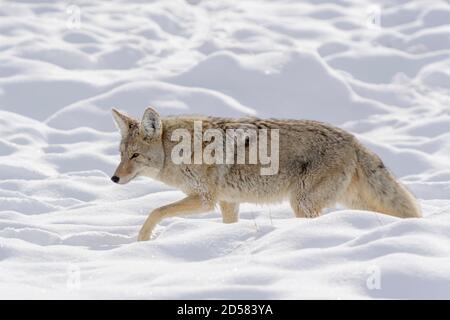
pixel 141 149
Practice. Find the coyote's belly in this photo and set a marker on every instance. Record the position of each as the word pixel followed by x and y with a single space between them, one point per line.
pixel 244 183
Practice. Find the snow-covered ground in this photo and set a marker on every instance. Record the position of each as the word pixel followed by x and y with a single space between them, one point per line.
pixel 66 231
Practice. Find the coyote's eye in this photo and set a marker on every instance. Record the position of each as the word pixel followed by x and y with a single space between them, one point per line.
pixel 134 156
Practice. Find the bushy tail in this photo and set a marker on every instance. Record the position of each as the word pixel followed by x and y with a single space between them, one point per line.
pixel 374 188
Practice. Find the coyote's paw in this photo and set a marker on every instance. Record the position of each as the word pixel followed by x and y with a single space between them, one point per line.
pixel 143 235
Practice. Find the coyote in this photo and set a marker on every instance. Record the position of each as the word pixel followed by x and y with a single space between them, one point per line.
pixel 319 166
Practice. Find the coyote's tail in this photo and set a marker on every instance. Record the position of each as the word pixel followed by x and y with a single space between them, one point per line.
pixel 374 188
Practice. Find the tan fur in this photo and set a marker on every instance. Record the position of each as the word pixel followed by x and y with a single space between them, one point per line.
pixel 319 166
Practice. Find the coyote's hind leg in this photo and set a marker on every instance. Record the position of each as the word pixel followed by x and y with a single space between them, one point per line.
pixel 309 201
pixel 304 208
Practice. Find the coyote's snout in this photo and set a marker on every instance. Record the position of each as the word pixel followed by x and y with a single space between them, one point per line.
pixel 317 165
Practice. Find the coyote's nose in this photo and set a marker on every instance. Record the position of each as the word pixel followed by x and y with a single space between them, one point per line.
pixel 115 179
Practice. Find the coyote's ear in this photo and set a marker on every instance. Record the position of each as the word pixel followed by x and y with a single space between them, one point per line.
pixel 151 125
pixel 122 121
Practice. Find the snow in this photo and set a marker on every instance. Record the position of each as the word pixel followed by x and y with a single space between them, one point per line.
pixel 67 232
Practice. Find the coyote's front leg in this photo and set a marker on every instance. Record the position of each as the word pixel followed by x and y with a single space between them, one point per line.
pixel 230 211
pixel 189 205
